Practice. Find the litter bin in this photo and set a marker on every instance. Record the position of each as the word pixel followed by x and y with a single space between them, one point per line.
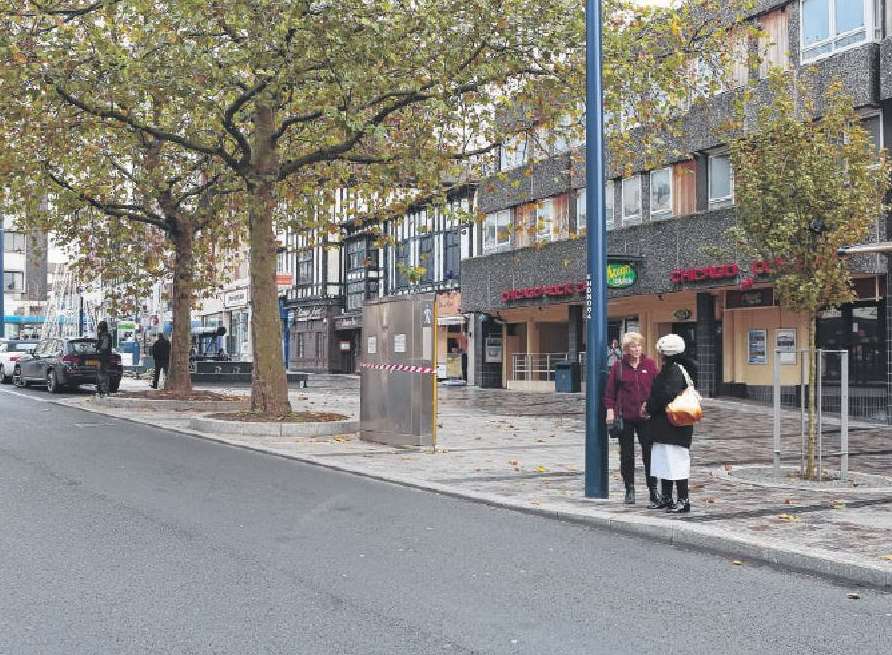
pixel 567 377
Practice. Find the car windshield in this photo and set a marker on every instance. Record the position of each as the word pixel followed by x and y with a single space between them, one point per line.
pixel 22 347
pixel 82 347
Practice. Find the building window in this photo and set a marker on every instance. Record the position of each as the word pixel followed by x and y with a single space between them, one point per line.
pixel 774 42
pixel 402 265
pixel 14 242
pixel 684 188
pixel 355 295
pixel 426 258
pixel 452 255
pixel 497 231
pixel 832 25
pixel 356 255
pixel 721 181
pixel 305 267
pixel 13 281
pixel 300 345
pixel 632 199
pixel 513 153
pixel 582 208
pixel 320 345
pixel 874 126
pixel 661 192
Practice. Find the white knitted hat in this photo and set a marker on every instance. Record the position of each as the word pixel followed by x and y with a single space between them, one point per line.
pixel 671 344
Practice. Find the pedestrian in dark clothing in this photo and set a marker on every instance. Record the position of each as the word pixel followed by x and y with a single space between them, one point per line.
pixel 628 386
pixel 671 456
pixel 161 355
pixel 103 350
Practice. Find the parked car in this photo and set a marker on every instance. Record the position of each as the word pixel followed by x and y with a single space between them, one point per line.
pixel 11 351
pixel 60 363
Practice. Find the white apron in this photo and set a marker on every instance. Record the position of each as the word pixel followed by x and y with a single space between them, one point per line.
pixel 669 462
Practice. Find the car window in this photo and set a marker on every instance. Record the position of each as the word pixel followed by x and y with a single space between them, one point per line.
pixel 82 347
pixel 25 347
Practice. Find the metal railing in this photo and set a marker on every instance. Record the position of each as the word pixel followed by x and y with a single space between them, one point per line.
pixel 535 367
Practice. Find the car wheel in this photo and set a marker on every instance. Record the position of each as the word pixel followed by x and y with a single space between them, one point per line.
pixel 4 379
pixel 52 382
pixel 17 378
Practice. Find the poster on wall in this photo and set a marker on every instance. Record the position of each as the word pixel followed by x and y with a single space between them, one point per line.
pixel 785 342
pixel 493 350
pixel 757 347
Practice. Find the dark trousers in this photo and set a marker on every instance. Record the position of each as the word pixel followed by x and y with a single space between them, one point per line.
pixel 627 452
pixel 102 377
pixel 159 366
pixel 680 485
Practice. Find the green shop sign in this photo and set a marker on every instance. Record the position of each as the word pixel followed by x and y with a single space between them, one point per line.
pixel 621 276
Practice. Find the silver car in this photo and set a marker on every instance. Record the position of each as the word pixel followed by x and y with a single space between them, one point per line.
pixel 12 351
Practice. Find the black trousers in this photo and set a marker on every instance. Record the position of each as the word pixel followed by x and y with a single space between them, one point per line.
pixel 627 452
pixel 102 377
pixel 158 367
pixel 680 485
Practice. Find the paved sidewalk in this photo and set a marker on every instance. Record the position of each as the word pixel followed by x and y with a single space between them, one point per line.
pixel 525 451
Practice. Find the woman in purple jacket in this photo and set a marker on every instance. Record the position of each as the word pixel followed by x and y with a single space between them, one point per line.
pixel 628 386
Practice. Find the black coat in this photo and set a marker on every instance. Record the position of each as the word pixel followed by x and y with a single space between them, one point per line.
pixel 668 384
pixel 161 351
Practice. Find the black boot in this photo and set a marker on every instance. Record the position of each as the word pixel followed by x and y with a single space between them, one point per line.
pixel 630 495
pixel 660 502
pixel 683 506
pixel 654 496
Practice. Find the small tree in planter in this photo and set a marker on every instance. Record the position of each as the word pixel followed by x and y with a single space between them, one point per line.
pixel 808 181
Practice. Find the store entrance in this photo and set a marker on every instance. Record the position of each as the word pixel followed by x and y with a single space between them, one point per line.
pixel 688 332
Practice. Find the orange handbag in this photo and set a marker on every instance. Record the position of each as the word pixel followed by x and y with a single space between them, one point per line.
pixel 686 408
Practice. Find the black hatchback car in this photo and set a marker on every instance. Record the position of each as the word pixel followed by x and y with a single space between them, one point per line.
pixel 60 363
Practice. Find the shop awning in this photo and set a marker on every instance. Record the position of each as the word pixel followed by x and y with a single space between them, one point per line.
pixel 450 320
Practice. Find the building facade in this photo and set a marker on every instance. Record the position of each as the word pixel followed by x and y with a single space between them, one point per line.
pixel 524 278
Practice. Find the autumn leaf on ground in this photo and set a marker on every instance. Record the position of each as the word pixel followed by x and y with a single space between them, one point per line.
pixel 512 462
pixel 787 517
pixel 887 557
pixel 541 469
pixel 838 504
pixel 737 562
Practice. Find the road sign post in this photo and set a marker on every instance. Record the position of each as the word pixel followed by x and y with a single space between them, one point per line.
pixel 596 453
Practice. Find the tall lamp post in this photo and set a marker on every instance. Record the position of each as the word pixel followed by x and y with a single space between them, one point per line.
pixel 596 478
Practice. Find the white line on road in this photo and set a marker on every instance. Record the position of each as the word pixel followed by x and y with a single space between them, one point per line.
pixel 25 395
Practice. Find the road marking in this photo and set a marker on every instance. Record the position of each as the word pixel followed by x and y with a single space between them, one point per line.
pixel 28 396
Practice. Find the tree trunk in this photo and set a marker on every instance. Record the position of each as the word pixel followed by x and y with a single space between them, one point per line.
pixel 179 380
pixel 812 442
pixel 269 386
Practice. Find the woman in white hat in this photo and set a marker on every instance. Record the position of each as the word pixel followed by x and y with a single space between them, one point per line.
pixel 671 455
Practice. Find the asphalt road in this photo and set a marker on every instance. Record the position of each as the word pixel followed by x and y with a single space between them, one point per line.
pixel 121 538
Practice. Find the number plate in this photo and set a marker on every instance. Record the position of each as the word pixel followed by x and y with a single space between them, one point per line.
pixel 91 362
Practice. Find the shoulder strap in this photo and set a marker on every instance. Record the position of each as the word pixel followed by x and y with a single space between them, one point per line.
pixel 619 386
pixel 687 378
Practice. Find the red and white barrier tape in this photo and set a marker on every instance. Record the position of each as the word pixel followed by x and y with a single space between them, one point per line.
pixel 403 368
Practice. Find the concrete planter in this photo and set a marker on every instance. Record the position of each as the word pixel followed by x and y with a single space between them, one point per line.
pixel 141 404
pixel 272 428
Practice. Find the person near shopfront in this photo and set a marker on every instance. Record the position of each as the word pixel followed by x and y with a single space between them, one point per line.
pixel 671 455
pixel 161 355
pixel 614 353
pixel 103 350
pixel 628 387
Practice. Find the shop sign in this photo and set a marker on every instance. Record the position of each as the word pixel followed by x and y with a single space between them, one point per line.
pixel 284 279
pixel 753 298
pixel 621 276
pixel 757 347
pixel 682 314
pixel 344 345
pixel 347 323
pixel 237 298
pixel 126 325
pixel 549 290
pixel 723 271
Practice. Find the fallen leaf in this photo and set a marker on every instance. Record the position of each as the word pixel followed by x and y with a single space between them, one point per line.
pixel 710 501
pixel 838 504
pixel 728 467
pixel 788 501
pixel 512 462
pixel 887 557
pixel 737 562
pixel 787 517
pixel 541 469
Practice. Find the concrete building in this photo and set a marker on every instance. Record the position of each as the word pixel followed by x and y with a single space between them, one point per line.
pixel 524 287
